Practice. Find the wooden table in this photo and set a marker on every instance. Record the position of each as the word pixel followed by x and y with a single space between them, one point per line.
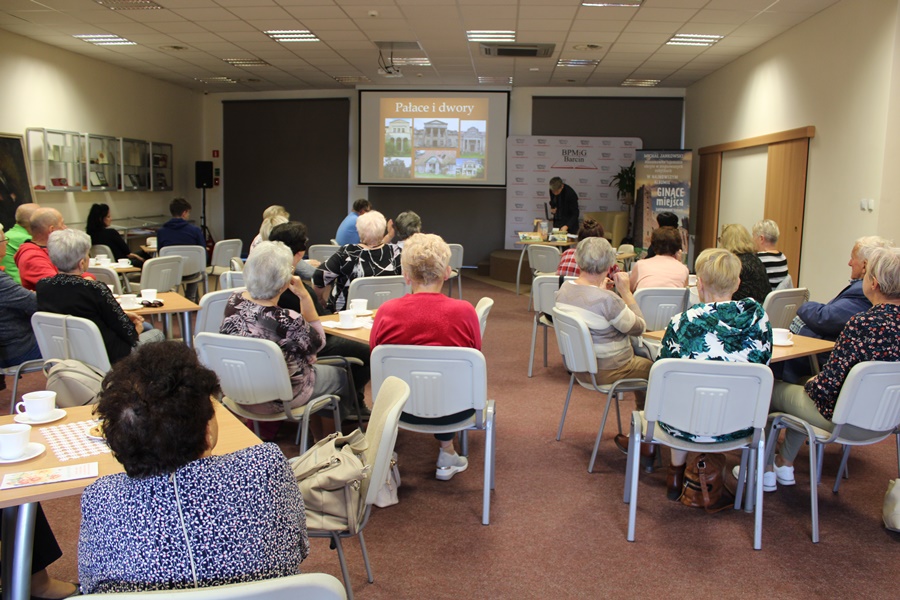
pixel 151 250
pixel 526 243
pixel 19 505
pixel 357 335
pixel 803 346
pixel 173 303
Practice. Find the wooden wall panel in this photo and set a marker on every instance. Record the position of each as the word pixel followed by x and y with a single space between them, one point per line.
pixel 707 219
pixel 786 197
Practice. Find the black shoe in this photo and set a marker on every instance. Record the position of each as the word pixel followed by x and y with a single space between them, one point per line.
pixel 622 443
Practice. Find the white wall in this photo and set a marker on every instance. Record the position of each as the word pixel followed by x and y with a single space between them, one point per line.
pixel 834 72
pixel 57 89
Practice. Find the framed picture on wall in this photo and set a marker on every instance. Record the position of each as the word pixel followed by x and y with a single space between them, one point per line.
pixel 15 183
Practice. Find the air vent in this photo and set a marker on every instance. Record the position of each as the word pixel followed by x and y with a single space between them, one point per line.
pixel 518 50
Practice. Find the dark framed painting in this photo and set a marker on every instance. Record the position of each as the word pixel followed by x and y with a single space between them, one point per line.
pixel 15 183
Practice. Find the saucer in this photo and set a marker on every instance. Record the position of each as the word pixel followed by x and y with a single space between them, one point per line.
pixel 95 432
pixel 364 313
pixel 787 343
pixel 32 450
pixel 131 306
pixel 355 325
pixel 55 415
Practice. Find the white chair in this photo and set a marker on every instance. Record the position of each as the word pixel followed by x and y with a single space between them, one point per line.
pixel 237 264
pixel 212 310
pixel 321 252
pixel 334 242
pixel 162 274
pixel 107 276
pixel 577 348
pixel 252 371
pixel 781 305
pixel 625 263
pixel 869 400
pixel 65 336
pixel 381 436
pixel 444 381
pixel 223 252
pixel 194 265
pixel 231 279
pixel 543 260
pixel 311 586
pixel 709 398
pixel 102 249
pixel 659 305
pixel 456 264
pixel 543 290
pixel 377 290
pixel 483 309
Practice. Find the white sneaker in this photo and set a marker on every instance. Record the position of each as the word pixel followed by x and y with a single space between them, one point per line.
pixel 449 465
pixel 784 475
pixel 770 482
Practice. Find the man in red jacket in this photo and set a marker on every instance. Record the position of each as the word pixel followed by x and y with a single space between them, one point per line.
pixel 31 258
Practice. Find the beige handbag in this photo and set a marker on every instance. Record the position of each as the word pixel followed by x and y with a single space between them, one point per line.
pixel 387 493
pixel 891 508
pixel 330 478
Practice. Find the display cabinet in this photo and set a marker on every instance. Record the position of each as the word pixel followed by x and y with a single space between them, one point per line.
pixel 134 158
pixel 102 168
pixel 57 159
pixel 161 170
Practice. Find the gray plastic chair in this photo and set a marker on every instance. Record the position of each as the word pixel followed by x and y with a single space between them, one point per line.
pixel 102 249
pixel 321 252
pixel 231 279
pixel 212 310
pixel 659 305
pixel 311 586
pixel 377 290
pixel 781 305
pixel 483 309
pixel 223 252
pixel 543 260
pixel 65 336
pixel 194 265
pixel 456 264
pixel 107 276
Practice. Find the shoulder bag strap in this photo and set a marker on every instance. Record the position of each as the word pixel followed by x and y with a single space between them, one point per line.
pixel 66 335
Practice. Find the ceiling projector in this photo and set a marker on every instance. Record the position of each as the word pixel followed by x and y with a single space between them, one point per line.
pixel 390 72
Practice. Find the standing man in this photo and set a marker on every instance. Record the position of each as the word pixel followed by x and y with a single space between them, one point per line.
pixel 765 236
pixel 15 237
pixel 177 231
pixel 346 232
pixel 31 258
pixel 563 205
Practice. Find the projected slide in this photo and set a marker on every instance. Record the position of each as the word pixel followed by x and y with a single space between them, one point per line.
pixel 438 139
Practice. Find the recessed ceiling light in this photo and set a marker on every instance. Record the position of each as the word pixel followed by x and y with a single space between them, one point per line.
pixel 104 39
pixel 411 62
pixel 216 80
pixel 496 80
pixel 129 4
pixel 352 79
pixel 577 62
pixel 246 62
pixel 491 35
pixel 620 3
pixel 694 39
pixel 640 82
pixel 292 35
pixel 534 69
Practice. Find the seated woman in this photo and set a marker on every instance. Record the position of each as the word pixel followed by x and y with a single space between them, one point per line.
pixel 372 257
pixel 870 335
pixel 272 216
pixel 718 328
pixel 754 279
pixel 269 273
pixel 567 265
pixel 17 341
pixel 428 318
pixel 98 228
pixel 180 517
pixel 665 268
pixel 69 293
pixel 406 224
pixel 611 318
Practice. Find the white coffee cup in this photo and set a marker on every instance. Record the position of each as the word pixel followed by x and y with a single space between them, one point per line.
pixel 128 301
pixel 37 405
pixel 692 280
pixel 348 318
pixel 358 305
pixel 103 260
pixel 92 262
pixel 148 294
pixel 124 262
pixel 14 440
pixel 781 336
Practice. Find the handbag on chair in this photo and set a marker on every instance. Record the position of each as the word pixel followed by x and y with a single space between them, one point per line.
pixel 76 383
pixel 704 481
pixel 891 509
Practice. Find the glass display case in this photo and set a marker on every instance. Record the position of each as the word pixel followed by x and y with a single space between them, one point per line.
pixel 57 159
pixel 161 170
pixel 102 168
pixel 134 158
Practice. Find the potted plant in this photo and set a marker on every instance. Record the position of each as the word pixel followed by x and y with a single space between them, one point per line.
pixel 624 183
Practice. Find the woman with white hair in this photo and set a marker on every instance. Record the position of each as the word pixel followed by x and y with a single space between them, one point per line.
pixel 269 272
pixel 428 318
pixel 765 236
pixel 69 293
pixel 273 216
pixel 372 257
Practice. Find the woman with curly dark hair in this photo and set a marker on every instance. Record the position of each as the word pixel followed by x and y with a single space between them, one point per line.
pixel 181 517
pixel 98 221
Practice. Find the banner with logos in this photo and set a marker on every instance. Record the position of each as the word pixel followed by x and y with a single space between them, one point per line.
pixel 586 164
pixel 663 182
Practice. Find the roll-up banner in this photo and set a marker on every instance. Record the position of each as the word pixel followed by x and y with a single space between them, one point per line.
pixel 663 182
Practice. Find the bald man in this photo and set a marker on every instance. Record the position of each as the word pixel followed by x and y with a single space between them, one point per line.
pixel 19 233
pixel 32 258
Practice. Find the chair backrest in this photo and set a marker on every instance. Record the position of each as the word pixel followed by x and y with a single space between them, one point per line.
pixel 870 397
pixel 102 249
pixel 659 305
pixel 708 397
pixel 785 283
pixel 224 251
pixel 543 289
pixel 624 248
pixel 377 290
pixel 250 370
pixel 85 341
pixel 231 279
pixel 212 310
pixel 543 259
pixel 321 252
pixel 107 276
pixel 162 273
pixel 781 305
pixel 574 340
pixel 194 257
pixel 483 309
pixel 381 433
pixel 456 256
pixel 309 586
pixel 236 264
pixel 443 380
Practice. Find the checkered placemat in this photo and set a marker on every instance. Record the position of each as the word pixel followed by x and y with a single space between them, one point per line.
pixel 70 441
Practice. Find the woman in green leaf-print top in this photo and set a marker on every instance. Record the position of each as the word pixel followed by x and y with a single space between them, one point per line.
pixel 718 328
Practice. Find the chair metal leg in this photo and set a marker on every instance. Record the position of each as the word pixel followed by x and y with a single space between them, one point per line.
pixel 751 480
pixel 813 487
pixel 533 342
pixel 820 458
pixel 488 467
pixel 842 470
pixel 600 432
pixel 632 479
pixel 464 442
pixel 336 540
pixel 619 398
pixel 562 419
pixel 545 346
pixel 739 491
pixel 365 555
pixel 459 283
pixel 758 509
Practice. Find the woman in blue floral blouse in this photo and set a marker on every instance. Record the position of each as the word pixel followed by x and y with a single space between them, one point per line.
pixel 870 335
pixel 718 328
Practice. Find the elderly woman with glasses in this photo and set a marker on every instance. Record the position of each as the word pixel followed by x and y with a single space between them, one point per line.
pixel 180 516
pixel 69 293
